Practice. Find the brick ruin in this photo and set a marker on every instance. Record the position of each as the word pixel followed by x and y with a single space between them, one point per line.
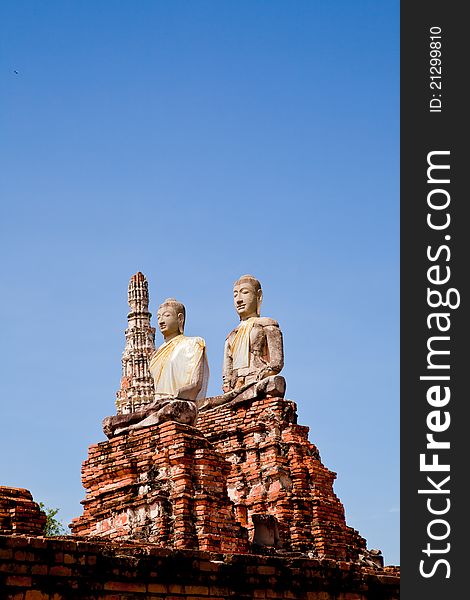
pixel 19 514
pixel 277 480
pixel 265 480
pixel 245 472
pixel 164 484
pixel 237 506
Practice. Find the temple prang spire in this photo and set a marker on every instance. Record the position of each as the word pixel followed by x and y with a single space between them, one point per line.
pixel 136 382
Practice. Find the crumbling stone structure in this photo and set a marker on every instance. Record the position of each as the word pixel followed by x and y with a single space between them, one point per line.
pixel 277 481
pixel 246 468
pixel 19 514
pixel 164 484
pixel 236 504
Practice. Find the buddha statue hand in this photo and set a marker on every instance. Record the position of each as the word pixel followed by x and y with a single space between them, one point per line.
pixel 267 371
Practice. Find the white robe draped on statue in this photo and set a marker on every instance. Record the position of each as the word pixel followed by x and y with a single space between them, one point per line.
pixel 175 364
pixel 240 346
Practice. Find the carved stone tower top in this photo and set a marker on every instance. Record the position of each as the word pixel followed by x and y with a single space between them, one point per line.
pixel 137 383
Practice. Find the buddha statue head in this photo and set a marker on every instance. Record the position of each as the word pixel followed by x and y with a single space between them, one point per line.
pixel 247 297
pixel 170 317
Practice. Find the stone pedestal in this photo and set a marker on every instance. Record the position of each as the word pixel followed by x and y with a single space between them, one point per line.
pixel 281 490
pixel 163 484
pixel 19 514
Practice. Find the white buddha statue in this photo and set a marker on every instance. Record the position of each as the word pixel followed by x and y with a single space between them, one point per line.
pixel 179 366
pixel 180 373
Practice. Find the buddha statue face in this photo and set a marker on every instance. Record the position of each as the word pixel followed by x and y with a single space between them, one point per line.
pixel 247 297
pixel 170 319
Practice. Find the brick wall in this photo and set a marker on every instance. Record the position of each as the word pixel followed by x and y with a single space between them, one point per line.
pixel 277 471
pixel 164 484
pixel 247 470
pixel 34 568
pixel 19 513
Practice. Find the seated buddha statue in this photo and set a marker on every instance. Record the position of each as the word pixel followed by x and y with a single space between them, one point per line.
pixel 180 374
pixel 253 351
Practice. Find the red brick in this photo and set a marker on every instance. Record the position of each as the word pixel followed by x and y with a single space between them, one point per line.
pixel 24 515
pixel 17 568
pixel 121 586
pixel 157 587
pixel 69 559
pixel 36 595
pixel 197 486
pixel 197 589
pixel 216 590
pixel 60 571
pixel 18 581
pixel 262 570
pixel 176 588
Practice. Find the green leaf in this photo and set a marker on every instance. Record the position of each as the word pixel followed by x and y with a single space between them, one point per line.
pixel 53 526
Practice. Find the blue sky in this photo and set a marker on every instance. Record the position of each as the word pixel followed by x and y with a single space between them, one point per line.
pixel 195 142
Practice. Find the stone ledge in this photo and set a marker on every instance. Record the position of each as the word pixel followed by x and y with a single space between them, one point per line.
pixel 219 403
pixel 67 568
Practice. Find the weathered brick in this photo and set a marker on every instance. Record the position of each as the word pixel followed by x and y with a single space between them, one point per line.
pixel 176 588
pixel 36 595
pixel 217 590
pixel 23 514
pixel 207 565
pixel 18 581
pixel 268 463
pixel 60 571
pixel 69 559
pixel 197 590
pixel 268 456
pixel 273 594
pixel 122 586
pixel 157 588
pixel 200 512
pixel 17 568
pixel 264 570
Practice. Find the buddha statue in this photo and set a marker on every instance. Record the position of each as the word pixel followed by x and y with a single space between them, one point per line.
pixel 253 352
pixel 180 374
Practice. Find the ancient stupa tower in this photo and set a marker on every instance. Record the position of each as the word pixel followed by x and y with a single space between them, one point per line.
pixel 136 382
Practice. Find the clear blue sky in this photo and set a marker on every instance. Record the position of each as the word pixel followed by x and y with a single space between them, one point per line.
pixel 195 142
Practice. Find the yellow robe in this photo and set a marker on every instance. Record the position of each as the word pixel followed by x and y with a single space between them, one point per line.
pixel 176 363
